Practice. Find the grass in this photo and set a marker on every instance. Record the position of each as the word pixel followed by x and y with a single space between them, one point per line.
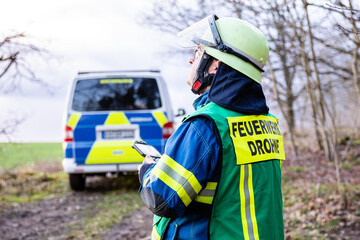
pixel 317 211
pixel 13 155
pixel 27 185
pixel 297 169
pixel 32 171
pixel 108 211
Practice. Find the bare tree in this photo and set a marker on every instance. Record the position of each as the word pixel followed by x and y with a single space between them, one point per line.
pixel 283 62
pixel 321 105
pixel 16 51
pixel 9 125
pixel 310 61
pixel 16 54
pixel 349 29
pixel 172 17
pixel 355 54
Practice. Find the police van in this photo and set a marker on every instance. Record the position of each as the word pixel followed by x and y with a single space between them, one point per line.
pixel 105 113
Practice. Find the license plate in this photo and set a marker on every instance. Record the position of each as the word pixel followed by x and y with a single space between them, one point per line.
pixel 118 134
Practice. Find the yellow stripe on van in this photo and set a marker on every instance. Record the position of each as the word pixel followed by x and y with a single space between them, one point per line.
pixel 105 81
pixel 73 120
pixel 160 118
pixel 104 152
pixel 116 118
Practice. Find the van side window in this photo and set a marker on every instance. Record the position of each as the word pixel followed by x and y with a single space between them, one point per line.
pixel 116 94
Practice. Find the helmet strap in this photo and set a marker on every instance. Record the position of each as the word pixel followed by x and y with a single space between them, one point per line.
pixel 202 78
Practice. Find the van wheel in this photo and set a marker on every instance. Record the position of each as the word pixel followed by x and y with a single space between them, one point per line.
pixel 77 181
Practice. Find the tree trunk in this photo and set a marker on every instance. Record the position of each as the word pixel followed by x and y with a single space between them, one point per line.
pixel 330 145
pixel 289 124
pixel 317 132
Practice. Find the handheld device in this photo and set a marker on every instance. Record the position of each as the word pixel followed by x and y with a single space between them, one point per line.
pixel 145 149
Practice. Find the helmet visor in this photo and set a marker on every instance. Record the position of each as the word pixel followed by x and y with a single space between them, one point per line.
pixel 196 34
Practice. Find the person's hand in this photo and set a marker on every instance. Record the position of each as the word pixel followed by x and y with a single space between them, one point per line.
pixel 147 160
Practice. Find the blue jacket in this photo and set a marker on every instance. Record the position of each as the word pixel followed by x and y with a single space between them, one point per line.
pixel 172 188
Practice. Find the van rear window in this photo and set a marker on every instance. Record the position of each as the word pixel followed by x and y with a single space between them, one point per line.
pixel 116 94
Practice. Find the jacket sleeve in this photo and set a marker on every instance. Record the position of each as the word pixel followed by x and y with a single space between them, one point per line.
pixel 191 156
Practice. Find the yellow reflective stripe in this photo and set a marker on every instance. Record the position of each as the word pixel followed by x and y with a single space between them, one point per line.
pixel 173 185
pixel 146 179
pixel 281 163
pixel 242 203
pixel 247 203
pixel 211 185
pixel 182 181
pixel 204 199
pixel 116 118
pixel 155 235
pixel 206 195
pixel 160 118
pixel 252 205
pixel 182 172
pixel 73 120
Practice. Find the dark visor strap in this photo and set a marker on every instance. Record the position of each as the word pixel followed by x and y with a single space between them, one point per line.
pixel 227 48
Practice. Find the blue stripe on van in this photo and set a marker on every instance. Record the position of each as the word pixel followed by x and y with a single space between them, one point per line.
pixel 68 150
pixel 82 150
pixel 92 119
pixel 82 131
pixel 85 132
pixel 149 128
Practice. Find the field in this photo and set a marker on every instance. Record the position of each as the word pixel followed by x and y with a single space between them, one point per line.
pixel 13 155
pixel 34 194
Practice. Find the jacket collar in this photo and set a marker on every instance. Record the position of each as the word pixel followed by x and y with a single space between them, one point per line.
pixel 201 100
pixel 235 91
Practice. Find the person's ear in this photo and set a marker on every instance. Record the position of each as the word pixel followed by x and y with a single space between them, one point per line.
pixel 214 67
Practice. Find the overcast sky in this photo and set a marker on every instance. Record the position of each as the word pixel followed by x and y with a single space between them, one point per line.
pixel 84 35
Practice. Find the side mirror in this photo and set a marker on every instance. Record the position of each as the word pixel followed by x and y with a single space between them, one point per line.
pixel 181 112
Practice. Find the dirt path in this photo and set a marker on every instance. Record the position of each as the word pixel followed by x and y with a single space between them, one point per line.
pixel 45 219
pixel 57 217
pixel 136 226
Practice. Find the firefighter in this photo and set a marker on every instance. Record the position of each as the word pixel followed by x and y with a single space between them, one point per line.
pixel 220 175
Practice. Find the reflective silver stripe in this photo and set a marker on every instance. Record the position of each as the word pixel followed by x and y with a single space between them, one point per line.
pixel 256 62
pixel 207 193
pixel 178 178
pixel 247 202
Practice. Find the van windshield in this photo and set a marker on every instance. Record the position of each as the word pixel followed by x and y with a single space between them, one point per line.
pixel 116 94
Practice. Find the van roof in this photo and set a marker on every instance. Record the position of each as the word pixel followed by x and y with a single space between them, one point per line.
pixel 119 71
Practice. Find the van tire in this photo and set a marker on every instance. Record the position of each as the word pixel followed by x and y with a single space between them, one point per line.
pixel 77 181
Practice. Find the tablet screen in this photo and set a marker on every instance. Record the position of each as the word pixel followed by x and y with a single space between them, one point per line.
pixel 148 150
